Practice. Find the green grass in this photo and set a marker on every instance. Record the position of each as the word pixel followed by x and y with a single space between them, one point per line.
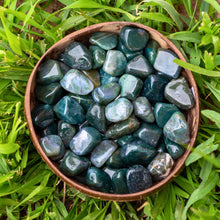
pixel 28 189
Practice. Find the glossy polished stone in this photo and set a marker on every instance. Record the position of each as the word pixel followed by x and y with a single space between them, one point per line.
pixel 122 128
pixel 52 146
pixel 98 179
pixel 98 55
pixel 137 152
pixel 138 179
pixel 160 166
pixel 119 182
pixel 139 66
pixel 76 82
pixel 115 63
pixel 49 94
pixel 177 129
pixel 130 86
pixel 134 38
pixel 115 161
pixel 154 87
pixel 102 152
pixel 66 131
pixel 150 51
pixel 177 91
pixel 125 139
pixel 78 56
pixel 93 76
pixel 161 147
pixel 106 93
pixel 63 67
pixel 49 72
pixel 105 78
pixel 164 63
pixel 105 40
pixel 69 110
pixel 143 109
pixel 42 115
pixel 149 133
pixel 51 129
pixel 118 110
pixel 73 165
pixel 163 112
pixel 85 141
pixel 109 171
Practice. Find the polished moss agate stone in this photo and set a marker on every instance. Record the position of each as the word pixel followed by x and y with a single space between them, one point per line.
pixel 109 171
pixel 105 78
pixel 93 76
pixel 98 55
pixel 85 141
pixel 138 179
pixel 106 41
pixel 76 82
pixel 98 179
pixel 119 182
pixel 115 161
pixel 51 129
pixel 176 129
pixel 178 92
pixel 69 110
pixel 73 165
pixel 150 50
pixel 63 67
pixel 161 147
pixel 78 56
pixel 125 139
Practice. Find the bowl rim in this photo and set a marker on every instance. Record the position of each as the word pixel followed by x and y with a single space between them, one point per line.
pixel 73 183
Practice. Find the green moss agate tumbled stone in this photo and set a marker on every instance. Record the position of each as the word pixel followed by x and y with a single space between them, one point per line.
pixel 105 78
pixel 125 139
pixel 51 129
pixel 164 63
pixel 93 76
pixel 52 146
pixel 109 171
pixel 102 152
pixel 63 67
pixel 139 66
pixel 138 179
pixel 130 86
pixel 119 182
pixel 134 38
pixel 98 55
pixel 42 115
pixel 98 179
pixel 163 112
pixel 115 63
pixel 96 117
pixel 143 109
pixel 137 152
pixel 73 165
pixel 76 82
pixel 178 92
pixel 85 141
pixel 118 110
pixel 78 56
pixel 49 94
pixel 106 41
pixel 69 110
pixel 49 72
pixel 161 147
pixel 115 161
pixel 176 129
pixel 160 166
pixel 106 93
pixel 150 50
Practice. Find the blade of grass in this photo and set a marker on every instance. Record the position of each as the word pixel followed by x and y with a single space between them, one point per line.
pixel 215 4
pixel 187 36
pixel 212 115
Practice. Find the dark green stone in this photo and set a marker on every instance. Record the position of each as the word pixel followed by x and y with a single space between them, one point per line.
pixel 85 141
pixel 139 66
pixel 138 179
pixel 81 177
pixel 106 93
pixel 161 147
pixel 106 78
pixel 96 117
pixel 109 171
pixel 150 51
pixel 93 76
pixel 98 55
pixel 178 92
pixel 163 112
pixel 125 139
pixel 115 63
pixel 115 160
pixel 49 94
pixel 130 86
pixel 160 166
pixel 42 115
pixel 134 38
pixel 66 131
pixel 150 133
pixel 78 56
pixel 106 41
pixel 98 179
pixel 63 67
pixel 164 63
pixel 69 110
pixel 119 182
pixel 137 152
pixel 51 129
pixel 176 129
pixel 73 165
pixel 49 72
pixel 52 146
pixel 122 128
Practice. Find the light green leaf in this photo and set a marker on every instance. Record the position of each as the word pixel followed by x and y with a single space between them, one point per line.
pixel 214 116
pixel 215 4
pixel 119 3
pixel 209 61
pixel 215 91
pixel 8 148
pixel 187 36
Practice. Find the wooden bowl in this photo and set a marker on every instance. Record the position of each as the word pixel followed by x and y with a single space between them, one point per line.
pixel 83 36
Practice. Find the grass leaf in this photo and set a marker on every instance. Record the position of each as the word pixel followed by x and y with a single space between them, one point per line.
pixel 215 91
pixel 8 148
pixel 187 36
pixel 215 4
pixel 214 116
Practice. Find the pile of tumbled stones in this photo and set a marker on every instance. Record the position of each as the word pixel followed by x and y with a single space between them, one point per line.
pixel 112 115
